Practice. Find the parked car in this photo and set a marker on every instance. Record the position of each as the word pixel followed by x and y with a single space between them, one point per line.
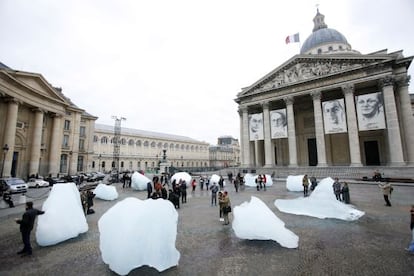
pixel 37 183
pixel 54 180
pixel 13 185
pixel 96 177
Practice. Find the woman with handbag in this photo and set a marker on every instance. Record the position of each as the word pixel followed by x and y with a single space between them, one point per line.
pixel 225 202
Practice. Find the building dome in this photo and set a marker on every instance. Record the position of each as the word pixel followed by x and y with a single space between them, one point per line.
pixel 324 40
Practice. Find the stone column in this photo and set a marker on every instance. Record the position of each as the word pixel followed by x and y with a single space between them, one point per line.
pixel 267 136
pixel 406 118
pixel 353 136
pixel 246 162
pixel 36 141
pixel 293 157
pixel 319 131
pixel 9 135
pixel 55 145
pixel 393 128
pixel 73 158
pixel 241 135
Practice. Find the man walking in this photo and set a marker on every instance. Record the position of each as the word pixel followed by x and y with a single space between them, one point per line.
pixel 26 226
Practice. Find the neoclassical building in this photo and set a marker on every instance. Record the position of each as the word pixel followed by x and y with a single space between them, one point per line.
pixel 226 153
pixel 329 106
pixel 42 131
pixel 143 150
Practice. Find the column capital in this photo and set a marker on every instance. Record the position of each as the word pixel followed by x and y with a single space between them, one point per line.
pixel 38 110
pixel 56 115
pixel 13 100
pixel 265 105
pixel 289 100
pixel 403 80
pixel 386 81
pixel 348 88
pixel 316 94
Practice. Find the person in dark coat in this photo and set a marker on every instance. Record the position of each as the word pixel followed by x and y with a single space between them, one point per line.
pixel 8 199
pixel 174 198
pixel 183 190
pixel 149 189
pixel 26 226
pixel 89 202
pixel 345 193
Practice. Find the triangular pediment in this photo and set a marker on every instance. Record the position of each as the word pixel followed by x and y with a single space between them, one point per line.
pixel 37 84
pixel 304 68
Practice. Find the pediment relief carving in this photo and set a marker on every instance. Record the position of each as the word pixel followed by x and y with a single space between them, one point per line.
pixel 307 70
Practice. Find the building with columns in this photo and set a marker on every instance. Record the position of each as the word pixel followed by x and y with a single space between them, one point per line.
pixel 226 153
pixel 329 106
pixel 42 131
pixel 143 150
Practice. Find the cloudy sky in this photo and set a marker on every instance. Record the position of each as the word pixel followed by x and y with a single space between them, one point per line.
pixel 176 66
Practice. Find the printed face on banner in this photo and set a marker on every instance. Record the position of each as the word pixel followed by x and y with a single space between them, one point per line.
pixel 256 126
pixel 370 111
pixel 334 116
pixel 278 123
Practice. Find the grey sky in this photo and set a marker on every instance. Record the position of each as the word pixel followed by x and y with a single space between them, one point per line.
pixel 176 66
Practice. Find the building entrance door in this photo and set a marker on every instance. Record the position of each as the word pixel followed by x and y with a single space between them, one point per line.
pixel 372 157
pixel 312 152
pixel 14 164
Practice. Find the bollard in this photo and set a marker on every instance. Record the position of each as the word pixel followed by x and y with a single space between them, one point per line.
pixel 22 199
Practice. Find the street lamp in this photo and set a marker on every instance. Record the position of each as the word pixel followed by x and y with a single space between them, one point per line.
pixel 5 150
pixel 99 162
pixel 182 163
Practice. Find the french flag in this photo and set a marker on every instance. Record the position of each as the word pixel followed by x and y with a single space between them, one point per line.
pixel 292 38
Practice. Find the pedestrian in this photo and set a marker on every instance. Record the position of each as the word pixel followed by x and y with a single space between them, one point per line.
pixel 225 201
pixel 26 226
pixel 194 184
pixel 220 197
pixel 183 190
pixel 236 184
pixel 305 183
pixel 214 190
pixel 207 183
pixel 202 183
pixel 149 189
pixel 89 203
pixel 84 201
pixel 386 191
pixel 8 199
pixel 221 182
pixel 337 189
pixel 264 180
pixel 345 193
pixel 410 247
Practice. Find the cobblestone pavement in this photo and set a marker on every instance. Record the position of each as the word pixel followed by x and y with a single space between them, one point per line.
pixel 373 245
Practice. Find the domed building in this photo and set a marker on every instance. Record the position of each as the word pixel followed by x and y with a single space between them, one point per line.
pixel 328 107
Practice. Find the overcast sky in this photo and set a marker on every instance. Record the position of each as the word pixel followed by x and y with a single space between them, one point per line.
pixel 176 66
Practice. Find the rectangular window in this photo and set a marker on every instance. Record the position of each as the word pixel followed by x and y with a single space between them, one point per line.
pixel 82 131
pixel 66 126
pixel 79 167
pixel 65 143
pixel 81 144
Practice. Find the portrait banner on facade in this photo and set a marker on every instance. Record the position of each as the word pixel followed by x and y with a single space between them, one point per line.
pixel 334 116
pixel 370 111
pixel 278 123
pixel 256 126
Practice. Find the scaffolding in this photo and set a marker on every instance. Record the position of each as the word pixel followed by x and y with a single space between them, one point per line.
pixel 117 144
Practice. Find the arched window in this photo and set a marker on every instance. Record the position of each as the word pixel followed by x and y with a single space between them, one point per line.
pixel 165 145
pixel 319 51
pixel 152 144
pixel 104 140
pixel 138 143
pixel 330 48
pixel 171 146
pixel 95 138
pixel 146 144
pixel 131 142
pixel 159 145
pixel 123 141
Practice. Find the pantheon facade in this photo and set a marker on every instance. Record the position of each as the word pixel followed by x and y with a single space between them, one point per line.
pixel 330 105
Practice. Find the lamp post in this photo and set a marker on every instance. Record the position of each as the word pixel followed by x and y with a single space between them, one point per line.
pixel 99 162
pixel 5 150
pixel 182 163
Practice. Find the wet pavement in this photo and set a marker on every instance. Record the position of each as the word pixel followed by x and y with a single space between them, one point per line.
pixel 373 245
